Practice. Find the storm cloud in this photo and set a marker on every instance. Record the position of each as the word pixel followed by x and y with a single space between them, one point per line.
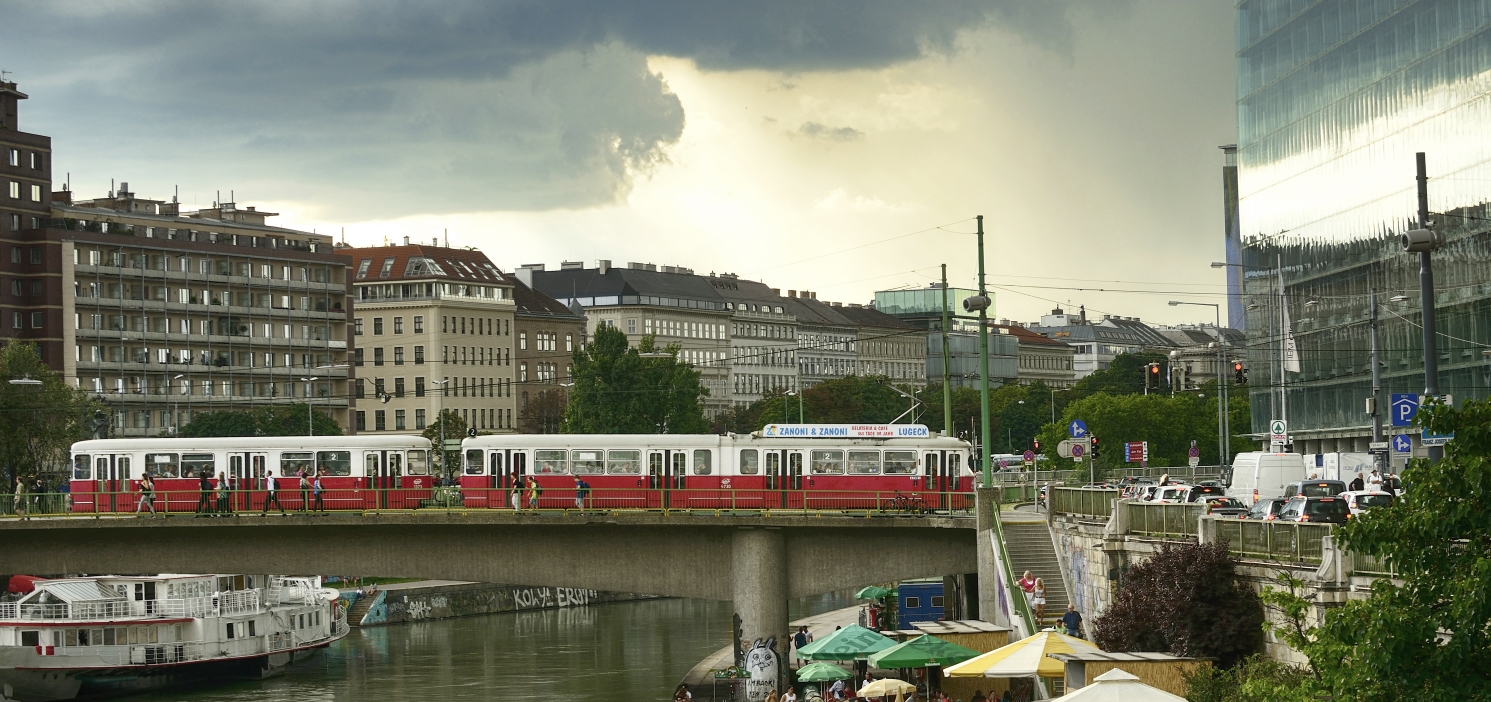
pixel 370 110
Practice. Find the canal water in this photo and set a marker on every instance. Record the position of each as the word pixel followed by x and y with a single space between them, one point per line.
pixel 623 651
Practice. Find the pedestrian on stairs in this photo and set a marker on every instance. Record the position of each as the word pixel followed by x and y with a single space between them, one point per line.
pixel 1027 583
pixel 1038 598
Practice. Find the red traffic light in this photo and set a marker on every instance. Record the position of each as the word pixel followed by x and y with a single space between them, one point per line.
pixel 1154 369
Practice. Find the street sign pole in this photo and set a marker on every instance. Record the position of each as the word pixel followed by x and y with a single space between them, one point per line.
pixel 983 364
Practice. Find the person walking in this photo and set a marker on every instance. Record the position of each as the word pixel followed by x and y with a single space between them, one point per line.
pixel 147 496
pixel 799 640
pixel 1072 620
pixel 1027 584
pixel 1357 485
pixel 305 491
pixel 582 491
pixel 1038 598
pixel 204 499
pixel 320 505
pixel 271 493
pixel 533 492
pixel 19 503
pixel 224 494
pixel 517 495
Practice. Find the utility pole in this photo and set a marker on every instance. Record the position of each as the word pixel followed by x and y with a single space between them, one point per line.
pixel 1376 381
pixel 947 373
pixel 1426 298
pixel 983 361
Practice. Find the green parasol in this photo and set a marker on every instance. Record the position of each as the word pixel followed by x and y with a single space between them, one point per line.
pixel 822 672
pixel 851 643
pixel 921 652
pixel 873 592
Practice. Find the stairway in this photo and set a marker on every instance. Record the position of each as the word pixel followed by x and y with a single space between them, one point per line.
pixel 1029 547
pixel 360 608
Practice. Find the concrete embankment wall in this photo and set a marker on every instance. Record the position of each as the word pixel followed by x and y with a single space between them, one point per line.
pixel 467 599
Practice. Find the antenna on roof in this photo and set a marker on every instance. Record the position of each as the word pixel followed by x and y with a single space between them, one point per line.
pixel 111 187
pixel 344 236
pixel 447 237
pixel 176 197
pixel 68 185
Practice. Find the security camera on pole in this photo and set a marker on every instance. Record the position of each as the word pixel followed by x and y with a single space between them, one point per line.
pixel 1424 241
pixel 981 303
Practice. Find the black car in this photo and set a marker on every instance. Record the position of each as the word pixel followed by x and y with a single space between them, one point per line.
pixel 1223 506
pixel 1199 492
pixel 1315 488
pixel 1316 510
pixel 1265 510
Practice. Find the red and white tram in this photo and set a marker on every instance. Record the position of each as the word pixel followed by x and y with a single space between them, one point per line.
pixel 782 466
pixel 358 472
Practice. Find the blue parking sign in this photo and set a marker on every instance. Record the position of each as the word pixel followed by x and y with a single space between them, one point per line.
pixel 1403 408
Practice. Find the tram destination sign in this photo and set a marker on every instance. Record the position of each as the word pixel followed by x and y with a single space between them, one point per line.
pixel 846 431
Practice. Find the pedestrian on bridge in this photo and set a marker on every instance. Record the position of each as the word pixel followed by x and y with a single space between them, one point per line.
pixel 320 505
pixel 19 503
pixel 305 491
pixel 533 492
pixel 271 492
pixel 517 496
pixel 204 485
pixel 147 495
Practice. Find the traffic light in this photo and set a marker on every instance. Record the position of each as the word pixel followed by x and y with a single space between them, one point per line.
pixel 1152 375
pixel 1239 374
pixel 1036 445
pixel 1094 440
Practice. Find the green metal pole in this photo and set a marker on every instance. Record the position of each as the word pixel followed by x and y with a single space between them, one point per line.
pixel 947 373
pixel 983 365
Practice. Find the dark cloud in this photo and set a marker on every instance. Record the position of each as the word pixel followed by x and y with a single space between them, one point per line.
pixel 814 130
pixel 399 107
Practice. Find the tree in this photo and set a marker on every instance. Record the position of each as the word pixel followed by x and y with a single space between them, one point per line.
pixel 1256 679
pixel 1428 638
pixel 41 421
pixel 965 407
pixel 1123 376
pixel 448 425
pixel 619 391
pixel 271 420
pixel 543 414
pixel 1185 600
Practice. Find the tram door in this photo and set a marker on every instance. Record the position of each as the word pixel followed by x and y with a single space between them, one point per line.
pixel 112 475
pixel 375 466
pixel 932 477
pixel 784 475
pixel 497 471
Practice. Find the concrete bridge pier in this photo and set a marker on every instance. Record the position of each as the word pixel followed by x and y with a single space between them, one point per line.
pixel 758 572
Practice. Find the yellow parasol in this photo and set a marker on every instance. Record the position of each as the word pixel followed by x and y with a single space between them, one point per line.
pixel 886 687
pixel 1023 658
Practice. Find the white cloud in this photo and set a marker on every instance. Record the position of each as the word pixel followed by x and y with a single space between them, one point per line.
pixel 839 201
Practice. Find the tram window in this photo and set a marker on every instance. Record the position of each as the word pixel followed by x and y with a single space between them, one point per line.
pixel 293 462
pixel 80 467
pixel 900 462
pixel 162 465
pixel 370 463
pixel 701 462
pixel 750 461
pixel 395 464
pixel 827 462
pixel 627 462
pixel 953 461
pixel 334 462
pixel 473 462
pixel 864 462
pixel 588 462
pixel 197 464
pixel 103 468
pixel 654 463
pixel 549 462
pixel 419 463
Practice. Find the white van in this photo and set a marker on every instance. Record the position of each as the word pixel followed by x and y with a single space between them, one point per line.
pixel 1260 475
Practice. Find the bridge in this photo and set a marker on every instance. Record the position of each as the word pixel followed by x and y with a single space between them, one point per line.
pixel 758 561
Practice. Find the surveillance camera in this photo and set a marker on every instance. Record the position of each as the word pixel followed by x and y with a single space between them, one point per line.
pixel 977 303
pixel 1418 240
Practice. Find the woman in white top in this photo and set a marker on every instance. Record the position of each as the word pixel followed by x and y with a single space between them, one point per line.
pixel 1038 598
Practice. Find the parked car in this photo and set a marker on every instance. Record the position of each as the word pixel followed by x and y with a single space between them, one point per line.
pixel 1266 510
pixel 1314 488
pixel 1132 486
pixel 1147 492
pixel 1316 510
pixel 1224 506
pixel 1359 501
pixel 1171 494
pixel 1199 491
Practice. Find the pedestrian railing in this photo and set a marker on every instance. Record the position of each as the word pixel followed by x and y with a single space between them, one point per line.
pixel 1083 502
pixel 1292 542
pixel 1161 519
pixel 1372 565
pixel 186 503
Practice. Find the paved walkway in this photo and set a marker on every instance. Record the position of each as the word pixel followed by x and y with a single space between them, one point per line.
pixel 699 678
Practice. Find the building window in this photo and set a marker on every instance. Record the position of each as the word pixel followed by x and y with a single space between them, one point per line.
pixel 387 268
pixel 36 193
pixel 419 355
pixel 36 254
pixel 377 326
pixel 444 325
pixel 15 222
pixel 15 190
pixel 36 319
pixel 398 355
pixel 357 358
pixel 380 420
pixel 523 345
pixel 569 345
pixel 362 271
pixel 631 328
pixel 398 325
pixel 378 356
pixel 362 420
pixel 419 324
pixel 398 387
pixel 361 388
pixel 398 420
pixel 357 328
pixel 523 374
pixel 419 419
pixel 419 386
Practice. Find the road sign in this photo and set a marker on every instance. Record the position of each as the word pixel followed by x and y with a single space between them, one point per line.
pixel 1403 408
pixel 1402 444
pixel 1029 456
pixel 1003 464
pixel 1377 446
pixel 1194 452
pixel 452 444
pixel 1436 439
pixel 1278 431
pixel 1077 429
pixel 1134 451
pixel 1194 461
pixel 1078 450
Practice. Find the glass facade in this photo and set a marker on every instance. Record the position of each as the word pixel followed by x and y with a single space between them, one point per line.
pixel 1334 97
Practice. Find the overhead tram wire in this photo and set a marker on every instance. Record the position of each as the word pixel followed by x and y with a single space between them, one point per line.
pixel 855 248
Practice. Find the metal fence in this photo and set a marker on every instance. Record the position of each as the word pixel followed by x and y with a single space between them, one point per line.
pixel 1087 502
pixel 1162 519
pixel 1292 542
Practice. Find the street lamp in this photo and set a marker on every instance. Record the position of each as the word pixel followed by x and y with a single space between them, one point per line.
pixel 28 380
pixel 786 395
pixel 1222 418
pixel 176 409
pixel 440 418
pixel 310 424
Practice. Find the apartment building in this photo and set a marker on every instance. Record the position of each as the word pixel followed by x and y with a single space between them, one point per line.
pixel 887 346
pixel 548 333
pixel 763 339
pixel 1041 358
pixel 825 339
pixel 435 332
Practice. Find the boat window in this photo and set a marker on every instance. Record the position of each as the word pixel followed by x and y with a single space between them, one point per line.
pixel 473 462
pixel 588 462
pixel 864 462
pixel 627 462
pixel 197 464
pixel 334 462
pixel 701 462
pixel 71 638
pixel 296 462
pixel 419 463
pixel 31 638
pixel 900 462
pixel 81 467
pixel 549 462
pixel 162 465
pixel 827 462
pixel 750 461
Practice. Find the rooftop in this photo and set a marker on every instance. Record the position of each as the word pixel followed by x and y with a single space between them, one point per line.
pixel 375 264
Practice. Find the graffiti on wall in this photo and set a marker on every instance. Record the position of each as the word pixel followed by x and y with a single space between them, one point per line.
pixel 420 604
pixel 761 661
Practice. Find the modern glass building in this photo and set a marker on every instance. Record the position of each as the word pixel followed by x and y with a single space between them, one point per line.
pixel 1334 98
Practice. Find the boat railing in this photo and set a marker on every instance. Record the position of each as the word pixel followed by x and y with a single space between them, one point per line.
pixel 104 609
pixel 238 602
pixel 143 654
pixel 8 610
pixel 292 591
pixel 281 640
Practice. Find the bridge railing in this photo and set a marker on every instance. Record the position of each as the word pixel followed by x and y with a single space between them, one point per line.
pixel 1083 502
pixel 1160 519
pixel 567 499
pixel 1292 542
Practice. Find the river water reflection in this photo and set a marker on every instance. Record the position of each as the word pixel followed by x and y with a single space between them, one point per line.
pixel 622 651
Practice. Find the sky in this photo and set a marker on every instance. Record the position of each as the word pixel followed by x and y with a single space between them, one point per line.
pixel 838 147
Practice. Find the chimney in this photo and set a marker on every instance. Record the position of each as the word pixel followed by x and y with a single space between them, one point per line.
pixel 9 106
pixel 1082 310
pixel 603 266
pixel 435 241
pixel 791 293
pixel 524 272
pixel 571 265
pixel 778 293
pixel 406 241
